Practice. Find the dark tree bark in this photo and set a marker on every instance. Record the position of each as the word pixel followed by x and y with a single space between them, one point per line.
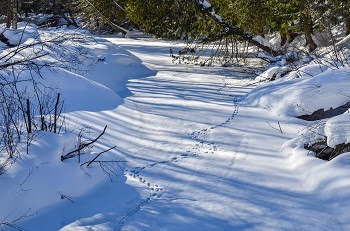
pixel 55 115
pixel 12 14
pixel 14 11
pixel 292 36
pixel 308 30
pixel 9 14
pixel 29 118
pixel 284 39
pixel 347 25
pixel 310 42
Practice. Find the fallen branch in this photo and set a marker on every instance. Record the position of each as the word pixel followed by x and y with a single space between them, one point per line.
pixel 90 162
pixel 82 146
pixel 67 198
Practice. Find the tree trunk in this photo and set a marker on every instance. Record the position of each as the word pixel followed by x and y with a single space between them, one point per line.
pixel 347 25
pixel 74 23
pixel 308 30
pixel 283 39
pixel 14 12
pixel 312 45
pixel 9 14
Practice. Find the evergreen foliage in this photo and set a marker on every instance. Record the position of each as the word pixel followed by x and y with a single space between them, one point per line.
pixel 184 19
pixel 189 20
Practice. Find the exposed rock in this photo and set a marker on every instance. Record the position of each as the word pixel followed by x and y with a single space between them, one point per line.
pixel 324 152
pixel 322 114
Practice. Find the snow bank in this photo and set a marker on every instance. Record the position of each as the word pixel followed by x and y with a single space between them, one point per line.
pixel 100 67
pixel 89 75
pixel 329 179
pixel 337 130
pixel 309 71
pixel 114 66
pixel 304 91
pixel 261 40
pixel 272 74
pixel 41 178
pixel 76 91
pixel 24 33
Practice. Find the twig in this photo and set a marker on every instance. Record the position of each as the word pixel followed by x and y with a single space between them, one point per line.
pixel 11 224
pixel 31 171
pixel 90 162
pixel 67 197
pixel 279 125
pixel 55 116
pixel 278 129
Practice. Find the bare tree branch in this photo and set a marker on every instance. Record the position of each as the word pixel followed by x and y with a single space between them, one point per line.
pixel 82 146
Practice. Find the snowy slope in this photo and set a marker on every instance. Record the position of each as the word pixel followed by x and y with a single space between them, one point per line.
pixel 40 179
pixel 303 91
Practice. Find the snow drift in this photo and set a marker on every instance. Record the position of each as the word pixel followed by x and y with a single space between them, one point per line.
pixel 304 91
pixel 91 74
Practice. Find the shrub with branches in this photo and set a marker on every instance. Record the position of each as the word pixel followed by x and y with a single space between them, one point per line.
pixel 27 103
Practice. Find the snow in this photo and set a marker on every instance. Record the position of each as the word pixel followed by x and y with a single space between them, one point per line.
pixel 202 151
pixel 116 68
pixel 40 179
pixel 268 57
pixel 272 74
pixel 20 36
pixel 49 180
pixel 329 179
pixel 74 88
pixel 302 92
pixel 337 130
pixel 206 5
pixel 106 77
pixel 310 70
pixel 262 40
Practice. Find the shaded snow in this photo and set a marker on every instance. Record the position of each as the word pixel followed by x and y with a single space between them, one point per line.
pixel 197 157
pixel 115 66
pixel 24 33
pixel 41 180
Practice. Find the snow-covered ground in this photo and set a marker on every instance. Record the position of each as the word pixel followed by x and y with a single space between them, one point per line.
pixel 200 155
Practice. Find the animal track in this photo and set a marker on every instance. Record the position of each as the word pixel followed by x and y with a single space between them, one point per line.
pixel 202 146
pixel 200 136
pixel 154 191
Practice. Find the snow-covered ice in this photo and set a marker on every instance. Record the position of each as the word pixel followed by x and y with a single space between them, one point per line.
pixel 198 157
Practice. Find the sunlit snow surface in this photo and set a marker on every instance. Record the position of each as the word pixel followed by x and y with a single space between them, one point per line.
pixel 337 130
pixel 198 158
